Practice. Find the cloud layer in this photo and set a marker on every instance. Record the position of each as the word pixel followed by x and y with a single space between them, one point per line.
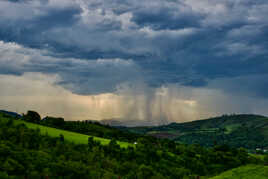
pixel 98 46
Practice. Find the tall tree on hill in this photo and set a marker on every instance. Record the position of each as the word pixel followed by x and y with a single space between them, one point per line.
pixel 32 116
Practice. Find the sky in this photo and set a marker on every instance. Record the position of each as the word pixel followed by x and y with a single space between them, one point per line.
pixel 155 60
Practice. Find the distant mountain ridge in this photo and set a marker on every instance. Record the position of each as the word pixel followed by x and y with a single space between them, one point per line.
pixel 243 130
pixel 117 122
pixel 13 114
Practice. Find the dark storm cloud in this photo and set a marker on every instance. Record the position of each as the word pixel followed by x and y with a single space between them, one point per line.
pixel 166 18
pixel 28 26
pixel 27 1
pixel 16 1
pixel 251 86
pixel 78 75
pixel 56 18
pixel 188 42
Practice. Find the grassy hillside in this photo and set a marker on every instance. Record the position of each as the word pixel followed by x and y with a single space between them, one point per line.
pixel 91 128
pixel 249 131
pixel 27 153
pixel 245 172
pixel 70 136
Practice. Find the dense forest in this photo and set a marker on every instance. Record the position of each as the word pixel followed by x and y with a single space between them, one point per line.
pixel 25 153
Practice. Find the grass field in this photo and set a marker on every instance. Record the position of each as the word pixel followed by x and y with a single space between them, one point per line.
pixel 245 172
pixel 69 136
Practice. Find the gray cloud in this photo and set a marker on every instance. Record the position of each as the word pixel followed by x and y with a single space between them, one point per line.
pixel 78 75
pixel 167 17
pixel 254 86
pixel 185 42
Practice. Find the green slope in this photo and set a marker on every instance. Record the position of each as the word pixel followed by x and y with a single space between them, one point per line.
pixel 245 172
pixel 249 131
pixel 69 136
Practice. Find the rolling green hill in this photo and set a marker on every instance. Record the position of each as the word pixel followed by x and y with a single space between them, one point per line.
pixel 74 137
pixel 248 131
pixel 245 172
pixel 44 153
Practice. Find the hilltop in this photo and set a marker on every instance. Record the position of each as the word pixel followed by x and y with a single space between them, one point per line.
pixel 244 130
pixel 13 114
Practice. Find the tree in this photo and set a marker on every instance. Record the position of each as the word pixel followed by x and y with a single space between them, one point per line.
pixel 113 144
pixel 266 159
pixel 145 171
pixel 53 121
pixel 3 175
pixel 61 137
pixel 32 116
pixel 90 143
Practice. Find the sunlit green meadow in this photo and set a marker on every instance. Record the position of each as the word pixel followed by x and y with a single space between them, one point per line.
pixel 69 136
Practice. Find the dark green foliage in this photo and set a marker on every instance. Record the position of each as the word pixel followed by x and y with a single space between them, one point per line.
pixel 247 131
pixel 53 121
pixel 25 153
pixel 32 116
pixel 62 138
pixel 266 159
pixel 113 144
pixel 91 142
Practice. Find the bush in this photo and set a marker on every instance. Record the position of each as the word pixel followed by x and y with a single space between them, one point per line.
pixel 266 159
